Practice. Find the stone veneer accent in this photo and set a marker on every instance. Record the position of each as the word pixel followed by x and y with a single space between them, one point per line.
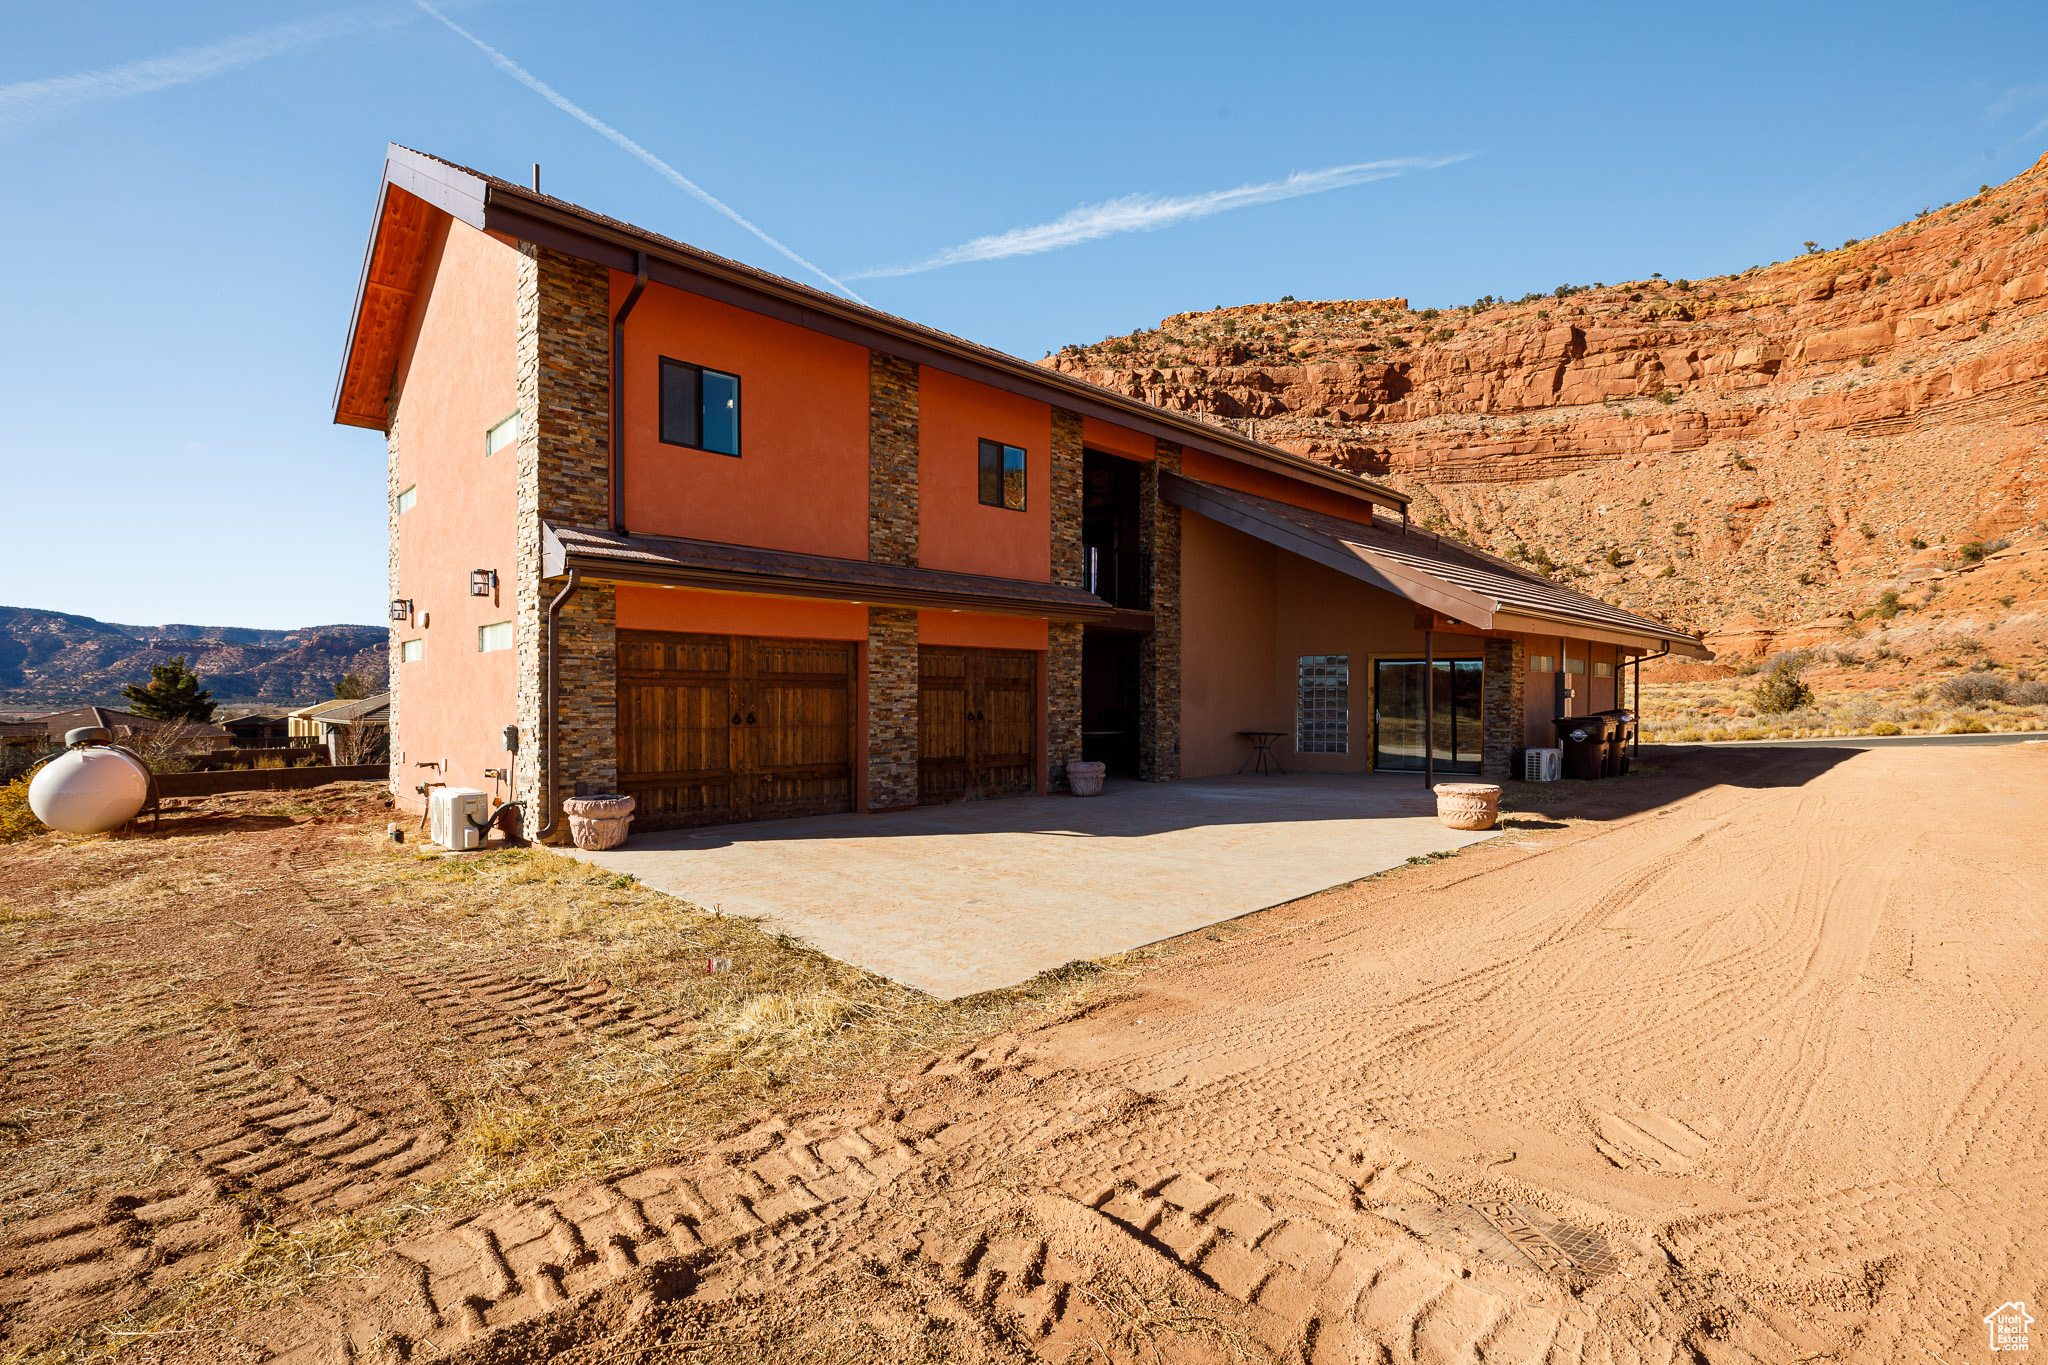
pixel 892 715
pixel 892 460
pixel 564 355
pixel 1063 639
pixel 1501 697
pixel 1159 653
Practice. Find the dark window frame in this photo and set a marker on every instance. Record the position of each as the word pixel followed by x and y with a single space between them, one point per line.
pixel 661 417
pixel 1002 500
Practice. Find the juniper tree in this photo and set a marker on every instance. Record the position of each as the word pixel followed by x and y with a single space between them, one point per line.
pixel 173 693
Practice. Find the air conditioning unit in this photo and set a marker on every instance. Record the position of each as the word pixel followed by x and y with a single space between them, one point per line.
pixel 456 816
pixel 1542 765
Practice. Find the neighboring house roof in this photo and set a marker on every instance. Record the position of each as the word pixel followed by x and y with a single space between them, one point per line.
pixel 393 268
pixel 740 568
pixel 316 710
pixel 1462 583
pixel 56 723
pixel 372 710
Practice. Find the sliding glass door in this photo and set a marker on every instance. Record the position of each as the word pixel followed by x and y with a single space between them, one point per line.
pixel 1398 713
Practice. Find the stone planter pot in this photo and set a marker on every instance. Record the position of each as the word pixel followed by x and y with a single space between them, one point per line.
pixel 597 822
pixel 1085 779
pixel 1467 805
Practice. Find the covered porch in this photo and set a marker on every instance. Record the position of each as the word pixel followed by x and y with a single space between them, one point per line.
pixel 960 899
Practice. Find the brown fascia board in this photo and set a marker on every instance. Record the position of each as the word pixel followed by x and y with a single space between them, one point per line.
pixel 499 206
pixel 557 559
pixel 1460 604
pixel 1538 624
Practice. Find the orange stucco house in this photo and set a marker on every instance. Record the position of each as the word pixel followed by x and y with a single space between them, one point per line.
pixel 744 549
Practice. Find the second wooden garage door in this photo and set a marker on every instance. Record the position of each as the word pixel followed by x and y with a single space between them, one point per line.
pixel 977 727
pixel 720 728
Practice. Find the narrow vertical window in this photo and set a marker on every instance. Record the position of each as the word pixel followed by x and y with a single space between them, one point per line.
pixel 700 408
pixel 1000 476
pixel 506 433
pixel 1322 704
pixel 412 651
pixel 408 498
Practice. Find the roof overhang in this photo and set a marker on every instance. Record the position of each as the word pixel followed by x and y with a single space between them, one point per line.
pixel 1324 540
pixel 666 561
pixel 513 211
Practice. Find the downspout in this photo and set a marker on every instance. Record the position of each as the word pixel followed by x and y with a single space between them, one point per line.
pixel 618 431
pixel 545 785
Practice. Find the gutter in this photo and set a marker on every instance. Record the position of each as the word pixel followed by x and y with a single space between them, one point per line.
pixel 545 784
pixel 618 431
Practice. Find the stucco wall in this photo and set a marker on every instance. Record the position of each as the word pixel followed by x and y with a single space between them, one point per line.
pixel 800 481
pixel 1228 643
pixel 458 377
pixel 955 532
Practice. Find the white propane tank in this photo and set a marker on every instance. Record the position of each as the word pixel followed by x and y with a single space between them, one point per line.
pixel 89 790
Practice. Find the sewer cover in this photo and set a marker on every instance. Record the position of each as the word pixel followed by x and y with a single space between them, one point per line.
pixel 1513 1233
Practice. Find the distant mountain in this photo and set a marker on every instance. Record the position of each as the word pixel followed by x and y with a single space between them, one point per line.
pixel 50 660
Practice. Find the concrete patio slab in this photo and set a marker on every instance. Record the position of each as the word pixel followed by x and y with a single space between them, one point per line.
pixel 955 900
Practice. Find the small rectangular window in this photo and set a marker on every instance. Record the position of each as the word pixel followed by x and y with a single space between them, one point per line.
pixel 506 433
pixel 700 408
pixel 412 651
pixel 1001 476
pixel 1575 665
pixel 1602 669
pixel 497 635
pixel 1543 663
pixel 1322 704
pixel 408 498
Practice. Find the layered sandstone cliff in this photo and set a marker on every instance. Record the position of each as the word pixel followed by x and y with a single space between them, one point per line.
pixel 1741 454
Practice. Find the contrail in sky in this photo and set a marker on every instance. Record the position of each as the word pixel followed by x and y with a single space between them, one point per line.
pixel 1146 212
pixel 596 124
pixel 29 102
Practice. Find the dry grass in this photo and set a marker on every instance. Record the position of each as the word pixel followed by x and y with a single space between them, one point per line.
pixel 1844 705
pixel 17 822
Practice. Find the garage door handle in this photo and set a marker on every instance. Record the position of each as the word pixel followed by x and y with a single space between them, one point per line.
pixel 735 718
pixel 750 718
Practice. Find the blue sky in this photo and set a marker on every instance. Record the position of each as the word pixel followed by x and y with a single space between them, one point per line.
pixel 189 188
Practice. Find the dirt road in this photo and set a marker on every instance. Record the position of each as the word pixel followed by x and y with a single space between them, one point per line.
pixel 1748 1067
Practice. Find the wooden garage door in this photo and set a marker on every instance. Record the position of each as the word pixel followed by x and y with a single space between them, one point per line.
pixel 719 728
pixel 977 729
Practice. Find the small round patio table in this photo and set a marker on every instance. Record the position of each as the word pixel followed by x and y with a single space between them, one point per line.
pixel 1262 759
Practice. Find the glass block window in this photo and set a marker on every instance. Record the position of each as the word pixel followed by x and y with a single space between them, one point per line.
pixel 1543 663
pixel 408 498
pixel 1322 705
pixel 412 651
pixel 1575 665
pixel 1602 669
pixel 506 433
pixel 498 635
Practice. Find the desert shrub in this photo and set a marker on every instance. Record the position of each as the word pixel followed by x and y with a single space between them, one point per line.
pixel 1973 553
pixel 1959 726
pixel 16 820
pixel 1783 689
pixel 1887 606
pixel 1884 727
pixel 2028 694
pixel 1971 689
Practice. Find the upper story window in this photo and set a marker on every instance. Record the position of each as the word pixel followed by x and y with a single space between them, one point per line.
pixel 1002 476
pixel 411 651
pixel 497 635
pixel 506 433
pixel 1602 669
pixel 1543 663
pixel 408 498
pixel 700 408
pixel 1575 665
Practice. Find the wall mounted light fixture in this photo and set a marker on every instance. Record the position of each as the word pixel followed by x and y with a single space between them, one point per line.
pixel 483 582
pixel 401 608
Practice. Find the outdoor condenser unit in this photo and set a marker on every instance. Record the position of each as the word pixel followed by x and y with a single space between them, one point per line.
pixel 1542 765
pixel 455 816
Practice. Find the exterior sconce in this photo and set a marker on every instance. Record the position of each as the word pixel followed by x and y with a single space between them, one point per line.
pixel 401 608
pixel 483 582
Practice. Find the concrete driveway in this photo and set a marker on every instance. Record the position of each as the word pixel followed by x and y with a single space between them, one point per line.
pixel 956 900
